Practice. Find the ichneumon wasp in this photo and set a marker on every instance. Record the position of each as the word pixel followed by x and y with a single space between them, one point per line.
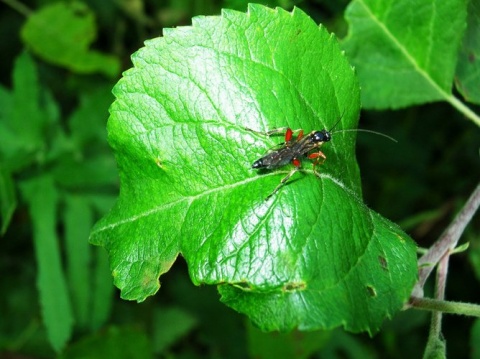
pixel 293 149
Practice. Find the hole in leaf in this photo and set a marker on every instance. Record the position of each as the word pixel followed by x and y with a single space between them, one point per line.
pixel 371 291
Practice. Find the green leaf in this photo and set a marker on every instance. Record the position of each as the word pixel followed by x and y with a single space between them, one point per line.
pixel 115 342
pixel 405 51
pixel 102 290
pixel 474 258
pixel 41 196
pixel 61 33
pixel 29 131
pixel 8 199
pixel 87 122
pixel 475 340
pixel 467 77
pixel 75 172
pixel 23 119
pixel 353 262
pixel 351 346
pixel 78 221
pixel 285 345
pixel 170 324
pixel 313 256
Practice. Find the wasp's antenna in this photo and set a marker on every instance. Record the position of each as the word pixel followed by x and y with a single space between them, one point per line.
pixel 363 130
pixel 338 121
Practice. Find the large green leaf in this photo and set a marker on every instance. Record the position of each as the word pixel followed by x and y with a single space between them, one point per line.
pixel 312 256
pixel 405 51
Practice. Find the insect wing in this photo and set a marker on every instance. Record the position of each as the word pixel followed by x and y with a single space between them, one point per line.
pixel 275 159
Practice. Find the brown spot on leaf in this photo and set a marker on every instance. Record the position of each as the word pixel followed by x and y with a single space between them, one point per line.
pixel 292 287
pixel 383 263
pixel 471 56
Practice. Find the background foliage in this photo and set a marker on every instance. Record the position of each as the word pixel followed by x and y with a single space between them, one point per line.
pixel 56 162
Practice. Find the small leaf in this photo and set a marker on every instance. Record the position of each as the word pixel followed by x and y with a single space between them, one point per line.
pixel 461 248
pixel 468 68
pixel 61 33
pixel 313 256
pixel 405 51
pixel 42 198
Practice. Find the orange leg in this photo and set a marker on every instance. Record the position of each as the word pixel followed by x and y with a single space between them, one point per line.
pixel 320 159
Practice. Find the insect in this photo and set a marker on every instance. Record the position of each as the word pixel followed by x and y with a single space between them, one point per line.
pixel 293 149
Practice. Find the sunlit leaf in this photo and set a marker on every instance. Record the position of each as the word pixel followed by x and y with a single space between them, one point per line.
pixel 312 256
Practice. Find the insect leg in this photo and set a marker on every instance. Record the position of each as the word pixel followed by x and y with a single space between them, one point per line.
pixel 269 133
pixel 296 162
pixel 276 131
pixel 320 159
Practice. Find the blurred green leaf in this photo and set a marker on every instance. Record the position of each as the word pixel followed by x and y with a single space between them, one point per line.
pixel 87 122
pixel 346 346
pixel 219 328
pixel 170 324
pixel 29 131
pixel 468 67
pixel 79 172
pixel 405 51
pixel 62 33
pixel 42 197
pixel 474 257
pixel 295 344
pixel 475 340
pixel 23 119
pixel 116 342
pixel 102 296
pixel 311 257
pixel 7 138
pixel 78 220
pixel 8 199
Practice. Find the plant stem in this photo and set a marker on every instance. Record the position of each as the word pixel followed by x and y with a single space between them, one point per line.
pixel 447 241
pixel 460 106
pixel 441 282
pixel 469 309
pixel 436 344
